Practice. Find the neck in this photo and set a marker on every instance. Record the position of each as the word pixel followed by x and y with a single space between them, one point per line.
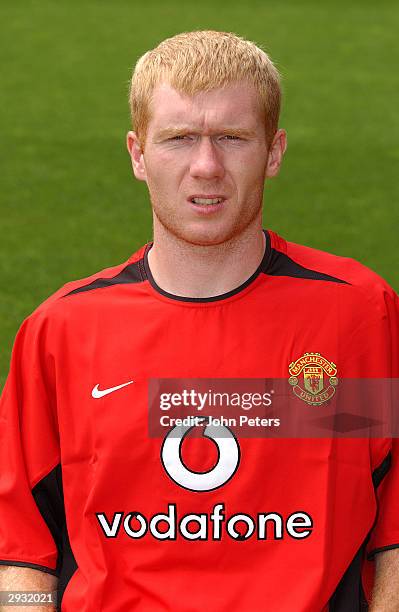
pixel 197 271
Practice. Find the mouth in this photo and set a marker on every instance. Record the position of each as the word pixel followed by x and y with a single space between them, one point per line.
pixel 207 203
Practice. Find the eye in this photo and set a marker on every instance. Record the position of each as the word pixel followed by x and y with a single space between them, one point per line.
pixel 231 137
pixel 179 137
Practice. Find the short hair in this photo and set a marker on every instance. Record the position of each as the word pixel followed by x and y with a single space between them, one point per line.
pixel 193 62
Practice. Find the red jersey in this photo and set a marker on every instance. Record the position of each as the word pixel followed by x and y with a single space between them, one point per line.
pixel 126 522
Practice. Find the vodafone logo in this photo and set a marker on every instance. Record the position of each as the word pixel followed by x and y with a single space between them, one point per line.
pixel 225 468
pixel 215 525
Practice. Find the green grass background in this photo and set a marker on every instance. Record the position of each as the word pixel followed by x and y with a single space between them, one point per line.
pixel 69 203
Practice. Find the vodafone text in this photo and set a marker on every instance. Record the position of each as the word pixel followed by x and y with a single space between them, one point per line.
pixel 204 526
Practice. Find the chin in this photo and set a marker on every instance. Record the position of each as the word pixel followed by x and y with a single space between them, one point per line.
pixel 205 236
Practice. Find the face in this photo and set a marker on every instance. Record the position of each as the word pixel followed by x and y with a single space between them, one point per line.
pixel 205 162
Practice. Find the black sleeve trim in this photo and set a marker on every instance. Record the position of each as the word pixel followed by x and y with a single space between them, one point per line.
pixel 35 566
pixel 374 552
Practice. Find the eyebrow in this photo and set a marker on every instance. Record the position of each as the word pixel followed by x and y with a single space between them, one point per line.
pixel 170 132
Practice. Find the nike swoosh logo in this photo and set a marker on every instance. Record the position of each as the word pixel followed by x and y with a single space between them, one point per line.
pixel 96 392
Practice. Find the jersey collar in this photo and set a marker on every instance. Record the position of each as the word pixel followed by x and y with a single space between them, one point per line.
pixel 216 298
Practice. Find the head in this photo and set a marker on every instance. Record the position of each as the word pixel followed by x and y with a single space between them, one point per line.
pixel 205 108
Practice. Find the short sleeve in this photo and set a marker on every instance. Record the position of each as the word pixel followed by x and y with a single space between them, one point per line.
pixel 385 534
pixel 31 503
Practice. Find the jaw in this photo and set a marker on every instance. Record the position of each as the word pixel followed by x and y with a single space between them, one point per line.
pixel 205 229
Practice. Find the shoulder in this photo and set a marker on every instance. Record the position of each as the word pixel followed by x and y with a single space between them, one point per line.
pixel 69 299
pixel 357 281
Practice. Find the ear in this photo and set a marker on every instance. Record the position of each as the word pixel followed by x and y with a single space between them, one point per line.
pixel 276 152
pixel 136 155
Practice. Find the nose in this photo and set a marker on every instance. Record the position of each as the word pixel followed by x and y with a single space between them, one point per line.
pixel 206 161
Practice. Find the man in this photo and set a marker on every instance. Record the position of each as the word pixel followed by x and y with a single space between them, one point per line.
pixel 165 522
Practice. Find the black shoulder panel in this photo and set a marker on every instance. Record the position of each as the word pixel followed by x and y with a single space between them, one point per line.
pixel 133 273
pixel 280 264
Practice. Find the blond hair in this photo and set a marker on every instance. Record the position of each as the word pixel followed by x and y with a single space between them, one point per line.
pixel 192 62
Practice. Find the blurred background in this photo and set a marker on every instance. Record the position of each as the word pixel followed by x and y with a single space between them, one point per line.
pixel 69 203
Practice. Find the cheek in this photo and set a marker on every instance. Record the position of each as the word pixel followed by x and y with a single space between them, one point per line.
pixel 165 171
pixel 249 173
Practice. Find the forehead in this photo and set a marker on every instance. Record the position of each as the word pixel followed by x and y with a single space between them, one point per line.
pixel 236 104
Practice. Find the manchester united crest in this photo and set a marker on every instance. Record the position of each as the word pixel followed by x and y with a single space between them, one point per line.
pixel 313 378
